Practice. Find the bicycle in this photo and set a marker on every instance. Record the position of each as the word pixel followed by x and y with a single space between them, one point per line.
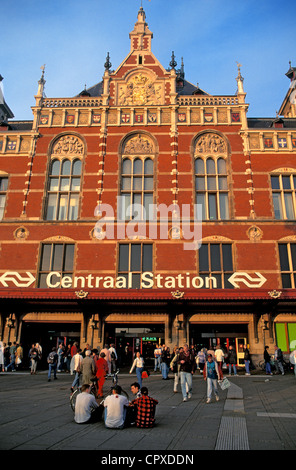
pixel 93 391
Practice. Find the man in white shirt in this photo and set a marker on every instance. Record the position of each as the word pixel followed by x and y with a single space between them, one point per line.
pixel 115 409
pixel 86 407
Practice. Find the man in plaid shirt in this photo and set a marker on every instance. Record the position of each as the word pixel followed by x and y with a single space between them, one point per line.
pixel 145 406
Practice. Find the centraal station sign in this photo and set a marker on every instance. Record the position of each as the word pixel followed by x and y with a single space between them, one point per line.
pixel 148 280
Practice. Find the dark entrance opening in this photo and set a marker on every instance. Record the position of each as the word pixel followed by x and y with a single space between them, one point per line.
pixel 130 338
pixel 47 335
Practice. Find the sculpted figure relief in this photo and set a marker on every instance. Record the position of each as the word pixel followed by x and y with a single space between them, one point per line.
pixel 210 143
pixel 67 145
pixel 138 144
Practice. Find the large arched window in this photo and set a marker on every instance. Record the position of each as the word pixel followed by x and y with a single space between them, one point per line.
pixel 211 180
pixel 137 179
pixel 64 180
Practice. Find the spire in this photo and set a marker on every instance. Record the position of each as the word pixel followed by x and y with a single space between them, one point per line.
pixel 240 80
pixel 41 83
pixel 141 35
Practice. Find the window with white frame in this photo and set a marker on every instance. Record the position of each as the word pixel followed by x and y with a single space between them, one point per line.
pixel 64 183
pixel 215 261
pixel 287 256
pixel 137 179
pixel 211 177
pixel 283 195
pixel 3 191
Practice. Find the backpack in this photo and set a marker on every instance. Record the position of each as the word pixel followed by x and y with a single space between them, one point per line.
pixel 51 358
pixel 34 354
pixel 113 357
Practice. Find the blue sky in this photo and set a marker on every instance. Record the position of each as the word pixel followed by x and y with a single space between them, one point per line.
pixel 72 38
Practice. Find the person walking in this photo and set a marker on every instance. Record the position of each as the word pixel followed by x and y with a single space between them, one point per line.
pixel 139 365
pixel 19 353
pixel 219 356
pixel 2 348
pixel 232 360
pixel 201 359
pixel 33 355
pixel 187 366
pixel 60 353
pixel 247 359
pixel 12 350
pixel 101 372
pixel 278 360
pixel 157 358
pixel 113 357
pixel 211 374
pixel 292 359
pixel 267 359
pixel 107 357
pixel 77 368
pixel 88 368
pixel 52 360
pixel 165 362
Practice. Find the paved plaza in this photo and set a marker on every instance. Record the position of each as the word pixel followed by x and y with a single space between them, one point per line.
pixel 255 413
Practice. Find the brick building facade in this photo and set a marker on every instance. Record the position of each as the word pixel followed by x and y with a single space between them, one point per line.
pixel 145 137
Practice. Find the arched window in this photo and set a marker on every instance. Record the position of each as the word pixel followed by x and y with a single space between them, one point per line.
pixel 137 179
pixel 64 180
pixel 211 185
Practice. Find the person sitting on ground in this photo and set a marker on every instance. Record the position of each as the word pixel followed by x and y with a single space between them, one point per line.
pixel 135 389
pixel 145 409
pixel 132 410
pixel 86 407
pixel 115 409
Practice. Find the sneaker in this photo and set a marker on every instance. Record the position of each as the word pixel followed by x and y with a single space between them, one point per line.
pixel 217 398
pixel 208 400
pixel 185 399
pixel 189 395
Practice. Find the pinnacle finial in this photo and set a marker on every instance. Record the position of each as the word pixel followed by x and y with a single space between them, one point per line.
pixel 173 63
pixel 108 64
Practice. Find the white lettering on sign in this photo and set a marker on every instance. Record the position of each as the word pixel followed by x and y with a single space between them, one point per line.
pixel 148 280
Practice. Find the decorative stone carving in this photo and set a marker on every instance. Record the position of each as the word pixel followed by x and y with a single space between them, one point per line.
pixel 140 90
pixel 275 294
pixel 254 233
pixel 21 233
pixel 210 143
pixel 68 145
pixel 138 144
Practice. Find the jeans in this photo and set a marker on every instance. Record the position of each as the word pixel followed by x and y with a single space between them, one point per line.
pixel 247 366
pixel 234 369
pixel 279 366
pixel 186 380
pixel 212 384
pixel 139 371
pixel 52 368
pixel 164 370
pixel 156 363
pixel 268 367
pixel 76 380
pixel 12 362
pixel 33 366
